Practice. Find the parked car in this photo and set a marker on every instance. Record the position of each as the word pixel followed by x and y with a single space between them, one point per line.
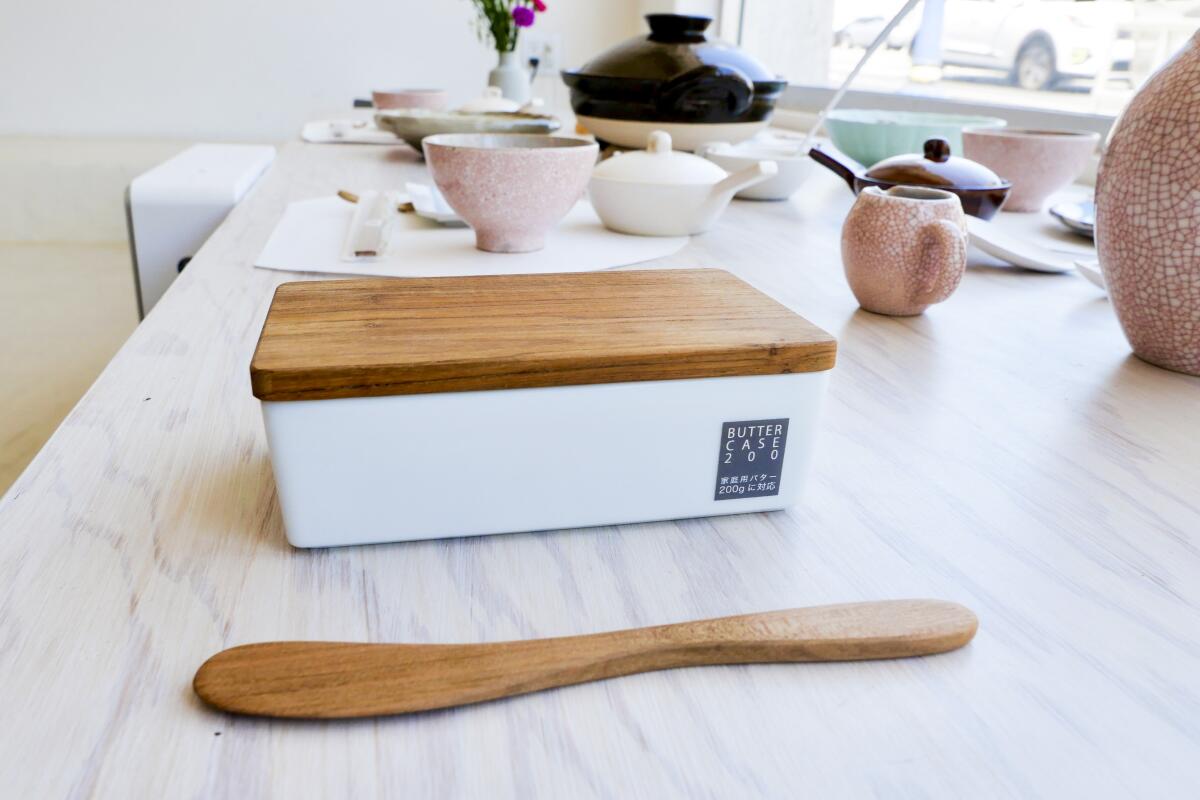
pixel 1037 42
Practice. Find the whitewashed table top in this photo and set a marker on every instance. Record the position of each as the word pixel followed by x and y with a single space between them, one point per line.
pixel 1004 450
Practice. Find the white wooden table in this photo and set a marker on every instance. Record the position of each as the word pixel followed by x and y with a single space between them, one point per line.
pixel 1004 451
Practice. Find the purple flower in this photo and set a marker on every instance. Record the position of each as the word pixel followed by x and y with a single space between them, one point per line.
pixel 539 5
pixel 523 16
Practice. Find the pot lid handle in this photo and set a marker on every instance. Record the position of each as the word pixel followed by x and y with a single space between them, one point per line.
pixel 937 150
pixel 659 142
pixel 677 28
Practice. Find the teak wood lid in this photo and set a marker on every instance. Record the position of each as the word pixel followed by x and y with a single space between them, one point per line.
pixel 388 336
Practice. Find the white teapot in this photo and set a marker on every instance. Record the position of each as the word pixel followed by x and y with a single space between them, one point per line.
pixel 662 192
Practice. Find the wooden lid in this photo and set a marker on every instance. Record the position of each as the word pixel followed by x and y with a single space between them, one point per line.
pixel 386 336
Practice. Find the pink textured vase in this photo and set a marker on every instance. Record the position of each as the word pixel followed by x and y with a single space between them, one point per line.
pixel 904 249
pixel 1148 215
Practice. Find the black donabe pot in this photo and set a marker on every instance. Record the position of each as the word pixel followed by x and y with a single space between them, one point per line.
pixel 674 75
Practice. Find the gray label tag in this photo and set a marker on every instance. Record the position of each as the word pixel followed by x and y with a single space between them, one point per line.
pixel 750 463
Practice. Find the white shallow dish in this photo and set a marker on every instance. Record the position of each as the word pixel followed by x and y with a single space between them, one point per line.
pixel 1078 217
pixel 1018 251
pixel 1091 271
pixel 428 202
pixel 686 136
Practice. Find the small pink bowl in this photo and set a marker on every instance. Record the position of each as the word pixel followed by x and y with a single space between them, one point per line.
pixel 510 187
pixel 1039 163
pixel 434 99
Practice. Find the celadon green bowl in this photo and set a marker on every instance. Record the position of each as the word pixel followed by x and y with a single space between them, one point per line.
pixel 869 136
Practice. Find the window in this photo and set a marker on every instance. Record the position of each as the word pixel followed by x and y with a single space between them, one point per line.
pixel 1084 57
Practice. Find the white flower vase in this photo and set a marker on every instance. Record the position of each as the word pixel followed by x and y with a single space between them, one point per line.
pixel 511 77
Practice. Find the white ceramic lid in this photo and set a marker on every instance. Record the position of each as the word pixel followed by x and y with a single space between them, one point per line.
pixel 659 164
pixel 492 99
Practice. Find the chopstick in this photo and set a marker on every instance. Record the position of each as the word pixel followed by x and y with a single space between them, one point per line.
pixel 351 197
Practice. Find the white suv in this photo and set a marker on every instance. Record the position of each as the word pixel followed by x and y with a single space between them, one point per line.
pixel 1037 42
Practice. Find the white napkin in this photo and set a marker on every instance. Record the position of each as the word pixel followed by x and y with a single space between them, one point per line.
pixel 310 235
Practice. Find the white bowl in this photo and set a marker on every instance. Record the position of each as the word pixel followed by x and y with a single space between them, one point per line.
pixel 794 166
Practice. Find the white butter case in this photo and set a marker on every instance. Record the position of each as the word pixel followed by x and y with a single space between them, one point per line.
pixel 415 409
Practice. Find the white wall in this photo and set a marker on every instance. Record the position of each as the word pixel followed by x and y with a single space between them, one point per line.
pixel 250 70
pixel 93 93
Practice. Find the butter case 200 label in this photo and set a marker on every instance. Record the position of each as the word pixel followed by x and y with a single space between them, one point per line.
pixel 750 461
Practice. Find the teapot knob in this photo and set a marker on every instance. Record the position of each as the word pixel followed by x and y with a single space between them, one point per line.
pixel 659 142
pixel 937 150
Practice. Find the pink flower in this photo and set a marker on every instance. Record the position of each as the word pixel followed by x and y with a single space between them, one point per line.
pixel 523 16
pixel 539 5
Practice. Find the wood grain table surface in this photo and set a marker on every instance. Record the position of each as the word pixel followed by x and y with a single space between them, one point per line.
pixel 1004 451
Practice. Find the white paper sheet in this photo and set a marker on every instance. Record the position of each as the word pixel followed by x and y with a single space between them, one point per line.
pixel 310 235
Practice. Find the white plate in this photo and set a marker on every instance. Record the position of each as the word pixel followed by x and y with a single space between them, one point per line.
pixel 428 202
pixel 1079 217
pixel 1018 251
pixel 1091 271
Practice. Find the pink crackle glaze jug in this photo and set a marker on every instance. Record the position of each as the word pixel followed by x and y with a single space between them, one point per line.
pixel 1148 215
pixel 904 249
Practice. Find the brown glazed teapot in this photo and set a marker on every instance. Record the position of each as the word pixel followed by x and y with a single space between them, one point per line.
pixel 981 191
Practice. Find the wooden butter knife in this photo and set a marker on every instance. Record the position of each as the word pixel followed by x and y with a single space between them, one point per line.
pixel 331 680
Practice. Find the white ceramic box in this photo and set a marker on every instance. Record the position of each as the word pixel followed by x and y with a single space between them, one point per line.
pixel 411 461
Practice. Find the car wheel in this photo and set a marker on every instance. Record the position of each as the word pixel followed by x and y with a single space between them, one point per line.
pixel 1034 68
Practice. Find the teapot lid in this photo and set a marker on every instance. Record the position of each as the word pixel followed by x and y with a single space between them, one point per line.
pixel 659 164
pixel 936 167
pixel 676 44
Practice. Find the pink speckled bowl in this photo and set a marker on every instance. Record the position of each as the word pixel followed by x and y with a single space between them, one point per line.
pixel 510 187
pixel 435 99
pixel 1039 163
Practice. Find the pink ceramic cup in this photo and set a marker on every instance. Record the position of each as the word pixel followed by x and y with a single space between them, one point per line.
pixel 510 187
pixel 1039 163
pixel 433 99
pixel 904 249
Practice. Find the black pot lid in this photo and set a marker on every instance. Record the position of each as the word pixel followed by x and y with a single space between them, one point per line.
pixel 676 45
pixel 936 167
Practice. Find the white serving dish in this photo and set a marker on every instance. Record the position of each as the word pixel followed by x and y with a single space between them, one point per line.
pixel 665 192
pixel 793 166
pixel 410 463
